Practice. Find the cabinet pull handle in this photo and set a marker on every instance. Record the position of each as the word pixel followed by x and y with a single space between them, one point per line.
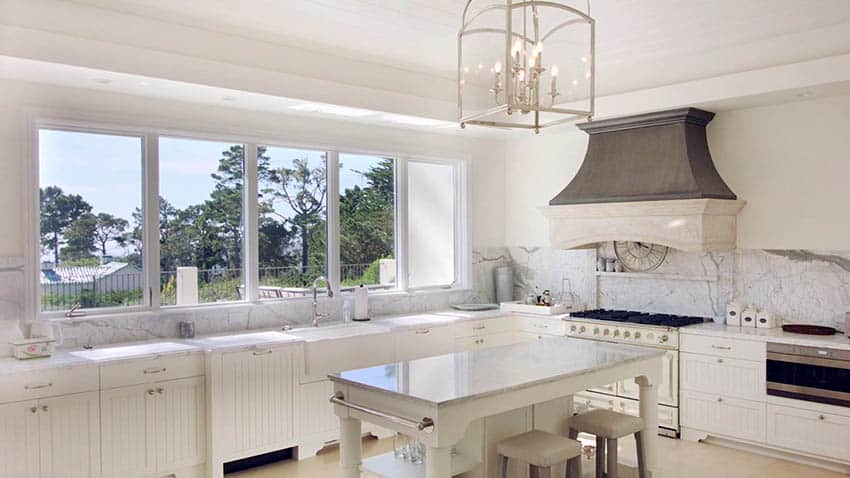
pixel 153 370
pixel 33 409
pixel 541 326
pixel 479 327
pixel 38 386
pixel 262 352
pixel 720 347
pixel 151 392
pixel 423 331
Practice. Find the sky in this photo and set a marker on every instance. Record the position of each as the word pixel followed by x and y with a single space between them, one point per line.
pixel 107 169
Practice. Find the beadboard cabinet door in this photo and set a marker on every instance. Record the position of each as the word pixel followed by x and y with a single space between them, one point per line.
pixel 128 431
pixel 723 376
pixel 69 436
pixel 180 423
pixel 19 440
pixel 732 417
pixel 809 431
pixel 255 400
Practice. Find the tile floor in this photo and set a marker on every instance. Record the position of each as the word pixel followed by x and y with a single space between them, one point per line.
pixel 680 459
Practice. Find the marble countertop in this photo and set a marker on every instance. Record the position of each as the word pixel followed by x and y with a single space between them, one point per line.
pixel 838 341
pixel 237 340
pixel 451 378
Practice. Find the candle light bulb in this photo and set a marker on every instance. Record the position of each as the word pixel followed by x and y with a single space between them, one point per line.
pixel 517 47
pixel 521 75
pixel 497 67
pixel 555 71
pixel 538 48
pixel 532 60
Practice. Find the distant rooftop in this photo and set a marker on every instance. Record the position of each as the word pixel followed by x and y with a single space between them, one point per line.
pixel 81 274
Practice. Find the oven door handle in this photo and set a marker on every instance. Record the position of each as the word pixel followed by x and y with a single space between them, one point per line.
pixel 805 360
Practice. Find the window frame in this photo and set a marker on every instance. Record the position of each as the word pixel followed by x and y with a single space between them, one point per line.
pixel 150 136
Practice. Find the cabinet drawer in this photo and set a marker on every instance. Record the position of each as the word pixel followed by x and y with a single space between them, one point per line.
pixel 329 356
pixel 809 431
pixel 48 383
pixel 423 342
pixel 479 342
pixel 168 367
pixel 732 417
pixel 723 347
pixel 540 325
pixel 723 376
pixel 484 326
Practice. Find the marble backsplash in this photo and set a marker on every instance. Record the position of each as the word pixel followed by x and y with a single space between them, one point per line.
pixel 796 285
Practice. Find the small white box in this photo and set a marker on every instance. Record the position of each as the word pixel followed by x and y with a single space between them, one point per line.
pixel 35 347
pixel 766 320
pixel 749 317
pixel 733 313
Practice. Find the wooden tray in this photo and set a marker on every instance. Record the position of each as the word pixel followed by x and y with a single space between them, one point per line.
pixel 808 329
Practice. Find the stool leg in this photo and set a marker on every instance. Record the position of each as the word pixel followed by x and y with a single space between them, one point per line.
pixel 600 457
pixel 611 451
pixel 533 471
pixel 503 466
pixel 574 464
pixel 640 457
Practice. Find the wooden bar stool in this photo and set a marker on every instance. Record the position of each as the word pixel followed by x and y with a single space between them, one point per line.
pixel 541 450
pixel 609 426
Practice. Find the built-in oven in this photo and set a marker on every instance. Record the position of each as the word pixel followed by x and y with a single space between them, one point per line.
pixel 809 373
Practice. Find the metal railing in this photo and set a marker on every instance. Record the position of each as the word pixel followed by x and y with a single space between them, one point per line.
pixel 214 285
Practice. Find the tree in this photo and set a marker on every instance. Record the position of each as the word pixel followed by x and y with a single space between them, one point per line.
pixel 304 189
pixel 59 211
pixel 80 239
pixel 367 216
pixel 109 228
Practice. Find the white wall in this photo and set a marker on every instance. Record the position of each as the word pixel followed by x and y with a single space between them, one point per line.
pixel 790 162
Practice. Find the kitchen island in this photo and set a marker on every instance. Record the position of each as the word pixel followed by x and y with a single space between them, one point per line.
pixel 449 402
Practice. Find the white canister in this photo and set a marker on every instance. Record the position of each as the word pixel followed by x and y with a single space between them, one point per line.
pixel 749 317
pixel 734 310
pixel 361 303
pixel 765 319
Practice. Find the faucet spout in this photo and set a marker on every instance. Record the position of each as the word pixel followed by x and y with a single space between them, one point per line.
pixel 316 282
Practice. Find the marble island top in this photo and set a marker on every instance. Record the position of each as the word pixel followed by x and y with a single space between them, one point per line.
pixel 450 378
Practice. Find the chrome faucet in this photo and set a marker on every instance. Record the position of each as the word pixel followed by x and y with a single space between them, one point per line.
pixel 74 311
pixel 316 314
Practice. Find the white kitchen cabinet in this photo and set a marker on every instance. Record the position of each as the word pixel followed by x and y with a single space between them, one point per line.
pixel 19 453
pixel 154 428
pixel 423 342
pixel 723 376
pixel 56 437
pixel 315 412
pixel 668 390
pixel 69 436
pixel 251 394
pixel 731 417
pixel 809 431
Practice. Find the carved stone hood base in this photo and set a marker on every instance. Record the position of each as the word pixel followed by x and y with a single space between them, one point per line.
pixel 696 225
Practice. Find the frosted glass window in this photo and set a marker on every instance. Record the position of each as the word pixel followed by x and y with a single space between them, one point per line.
pixel 431 224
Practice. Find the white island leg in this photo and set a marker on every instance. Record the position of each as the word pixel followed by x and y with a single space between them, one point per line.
pixel 649 414
pixel 438 462
pixel 350 447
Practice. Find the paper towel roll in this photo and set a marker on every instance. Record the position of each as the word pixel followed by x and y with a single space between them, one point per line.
pixel 504 279
pixel 361 303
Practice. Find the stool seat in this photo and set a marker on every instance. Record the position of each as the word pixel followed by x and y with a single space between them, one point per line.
pixel 539 448
pixel 606 424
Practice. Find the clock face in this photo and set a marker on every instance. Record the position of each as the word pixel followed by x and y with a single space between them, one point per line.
pixel 640 256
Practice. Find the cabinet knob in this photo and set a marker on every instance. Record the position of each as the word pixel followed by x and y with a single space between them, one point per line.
pixel 44 408
pixel 821 417
pixel 33 409
pixel 719 360
pixel 151 392
pixel 719 399
pixel 160 391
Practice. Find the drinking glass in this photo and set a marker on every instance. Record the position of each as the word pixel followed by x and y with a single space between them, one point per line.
pixel 417 453
pixel 401 446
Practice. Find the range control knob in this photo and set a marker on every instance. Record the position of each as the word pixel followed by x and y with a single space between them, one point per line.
pixel 664 338
pixel 606 332
pixel 596 331
pixel 616 332
pixel 582 329
pixel 572 328
pixel 637 335
pixel 627 334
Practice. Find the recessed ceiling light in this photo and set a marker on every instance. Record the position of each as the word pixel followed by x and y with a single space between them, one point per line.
pixel 335 110
pixel 228 98
pixel 102 81
pixel 416 121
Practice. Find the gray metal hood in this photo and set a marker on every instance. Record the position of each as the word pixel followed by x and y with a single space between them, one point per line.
pixel 650 178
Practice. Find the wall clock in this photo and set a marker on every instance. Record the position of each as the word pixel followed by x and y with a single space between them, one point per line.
pixel 640 256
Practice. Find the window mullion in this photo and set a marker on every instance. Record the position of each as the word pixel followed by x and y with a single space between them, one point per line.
pixel 401 244
pixel 332 183
pixel 250 225
pixel 150 226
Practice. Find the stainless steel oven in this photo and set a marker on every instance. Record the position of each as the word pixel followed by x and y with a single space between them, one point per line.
pixel 809 373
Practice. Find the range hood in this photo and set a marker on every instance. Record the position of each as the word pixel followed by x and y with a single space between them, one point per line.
pixel 648 178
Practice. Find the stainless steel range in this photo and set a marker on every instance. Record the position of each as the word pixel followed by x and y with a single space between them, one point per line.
pixel 643 329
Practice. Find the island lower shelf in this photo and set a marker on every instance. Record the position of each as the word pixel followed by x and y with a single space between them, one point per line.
pixel 388 466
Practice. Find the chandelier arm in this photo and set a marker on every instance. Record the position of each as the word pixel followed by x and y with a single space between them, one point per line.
pixel 563 25
pixel 550 4
pixel 496 30
pixel 477 14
